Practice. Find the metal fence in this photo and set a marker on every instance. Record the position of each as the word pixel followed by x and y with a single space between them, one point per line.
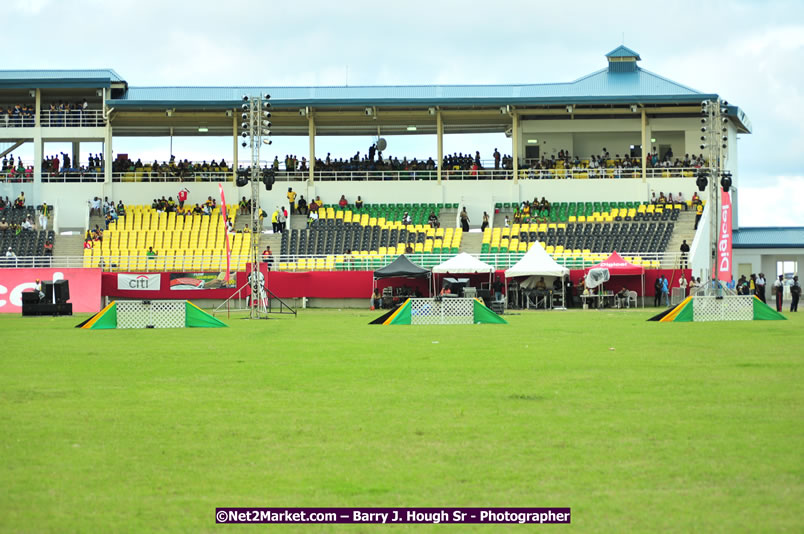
pixel 197 175
pixel 74 118
pixel 303 263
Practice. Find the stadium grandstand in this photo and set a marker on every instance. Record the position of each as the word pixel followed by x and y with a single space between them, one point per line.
pixel 616 152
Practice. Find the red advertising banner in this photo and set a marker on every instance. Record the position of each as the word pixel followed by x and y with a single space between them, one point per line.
pixel 724 258
pixel 85 287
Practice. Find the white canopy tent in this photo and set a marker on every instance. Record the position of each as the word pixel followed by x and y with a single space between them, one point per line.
pixel 536 262
pixel 463 263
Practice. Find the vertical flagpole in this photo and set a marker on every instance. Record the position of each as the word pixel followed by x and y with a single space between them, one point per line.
pixel 225 221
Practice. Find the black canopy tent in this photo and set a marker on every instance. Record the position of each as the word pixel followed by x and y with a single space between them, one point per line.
pixel 401 267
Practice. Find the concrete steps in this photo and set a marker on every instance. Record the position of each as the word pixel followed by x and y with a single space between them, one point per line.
pixel 471 242
pixel 684 228
pixel 68 245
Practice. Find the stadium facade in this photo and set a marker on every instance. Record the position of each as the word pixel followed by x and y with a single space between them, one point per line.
pixel 622 108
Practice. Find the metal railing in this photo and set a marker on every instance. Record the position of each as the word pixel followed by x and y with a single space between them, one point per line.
pixel 329 262
pixel 197 175
pixel 74 118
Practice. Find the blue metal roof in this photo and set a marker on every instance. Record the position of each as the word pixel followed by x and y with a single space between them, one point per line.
pixel 769 237
pixel 62 78
pixel 601 87
pixel 623 51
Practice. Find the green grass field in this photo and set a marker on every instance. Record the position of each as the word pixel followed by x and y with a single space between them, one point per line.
pixel 636 426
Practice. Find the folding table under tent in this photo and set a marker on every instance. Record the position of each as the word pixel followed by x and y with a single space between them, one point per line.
pixel 537 262
pixel 617 266
pixel 463 263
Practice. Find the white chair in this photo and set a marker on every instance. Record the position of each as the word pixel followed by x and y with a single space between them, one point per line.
pixel 632 296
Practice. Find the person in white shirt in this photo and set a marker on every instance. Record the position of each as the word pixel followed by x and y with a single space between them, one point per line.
pixel 680 200
pixel 96 205
pixel 760 287
pixel 507 222
pixel 682 283
pixel 11 258
pixel 27 225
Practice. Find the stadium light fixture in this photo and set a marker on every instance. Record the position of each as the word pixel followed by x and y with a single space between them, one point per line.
pixel 203 129
pixel 725 181
pixel 411 128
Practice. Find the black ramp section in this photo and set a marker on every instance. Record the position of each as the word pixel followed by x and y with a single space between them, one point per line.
pixel 661 315
pixel 381 319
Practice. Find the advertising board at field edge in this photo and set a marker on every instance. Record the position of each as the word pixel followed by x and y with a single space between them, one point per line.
pixel 85 287
pixel 139 282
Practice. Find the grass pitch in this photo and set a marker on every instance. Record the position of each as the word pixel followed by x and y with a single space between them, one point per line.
pixel 636 426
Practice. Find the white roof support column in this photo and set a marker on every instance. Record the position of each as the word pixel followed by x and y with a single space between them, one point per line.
pixel 38 107
pixel 440 143
pixel 515 143
pixel 645 150
pixel 311 134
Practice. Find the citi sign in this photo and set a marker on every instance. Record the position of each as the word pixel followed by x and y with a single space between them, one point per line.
pixel 139 282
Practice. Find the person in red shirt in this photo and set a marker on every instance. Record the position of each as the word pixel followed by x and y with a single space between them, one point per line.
pixel 343 202
pixel 183 197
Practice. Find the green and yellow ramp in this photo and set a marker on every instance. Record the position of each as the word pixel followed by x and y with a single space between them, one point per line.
pixel 685 312
pixel 194 317
pixel 404 313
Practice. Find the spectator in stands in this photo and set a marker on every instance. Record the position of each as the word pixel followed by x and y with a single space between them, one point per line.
pixel 121 209
pixel 302 207
pixel 3 224
pixel 11 258
pixel 507 222
pixel 44 211
pixel 464 220
pixel 485 223
pixel 778 290
pixel 731 284
pixel 795 294
pixel 496 160
pixel 20 202
pixel 680 200
pixel 268 257
pixel 244 206
pixel 282 219
pixel 359 202
pixel 695 198
pixel 406 220
pixel 28 223
pixel 698 213
pixel 662 198
pixel 151 254
pixel 433 221
pixel 343 202
pixel 48 248
pixel 182 196
pixel 291 199
pixel 685 250
pixel 275 221
pixel 88 242
pixel 682 284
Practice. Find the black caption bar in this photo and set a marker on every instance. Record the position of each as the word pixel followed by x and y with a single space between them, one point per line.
pixel 392 515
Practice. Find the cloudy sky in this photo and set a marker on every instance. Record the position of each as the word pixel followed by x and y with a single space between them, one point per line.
pixel 749 52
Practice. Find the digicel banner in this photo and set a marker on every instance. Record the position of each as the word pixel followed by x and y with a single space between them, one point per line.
pixel 724 259
pixel 85 287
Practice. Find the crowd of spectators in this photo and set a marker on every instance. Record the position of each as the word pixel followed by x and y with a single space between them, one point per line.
pixel 57 114
pixel 528 212
pixel 597 165
pixel 173 168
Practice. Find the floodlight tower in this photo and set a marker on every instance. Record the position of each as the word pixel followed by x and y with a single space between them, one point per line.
pixel 714 143
pixel 255 131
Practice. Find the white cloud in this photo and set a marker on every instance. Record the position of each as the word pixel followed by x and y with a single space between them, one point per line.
pixel 778 202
